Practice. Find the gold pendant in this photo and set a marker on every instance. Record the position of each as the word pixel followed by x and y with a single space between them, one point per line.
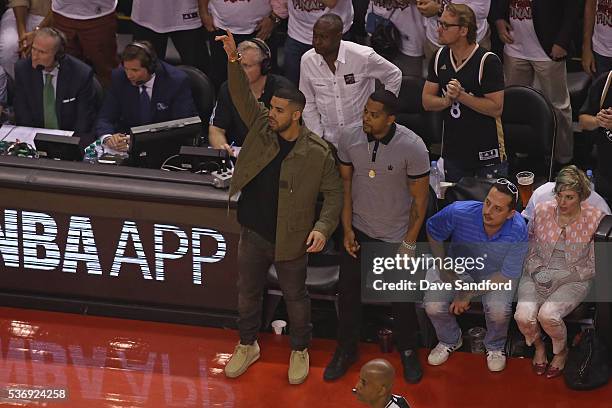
pixel 371 173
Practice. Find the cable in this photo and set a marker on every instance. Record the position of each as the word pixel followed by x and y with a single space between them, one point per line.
pixel 169 158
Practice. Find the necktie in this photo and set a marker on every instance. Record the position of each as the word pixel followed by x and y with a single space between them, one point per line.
pixel 145 106
pixel 49 113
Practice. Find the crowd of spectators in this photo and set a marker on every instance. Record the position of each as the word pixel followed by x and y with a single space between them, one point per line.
pixel 56 51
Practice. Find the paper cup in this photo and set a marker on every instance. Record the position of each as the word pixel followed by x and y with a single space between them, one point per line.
pixel 278 326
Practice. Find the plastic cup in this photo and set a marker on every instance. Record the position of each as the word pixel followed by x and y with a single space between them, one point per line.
pixel 278 326
pixel 477 335
pixel 385 340
pixel 525 185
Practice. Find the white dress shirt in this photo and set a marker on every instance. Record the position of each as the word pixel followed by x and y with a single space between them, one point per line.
pixel 149 85
pixel 149 90
pixel 54 73
pixel 336 100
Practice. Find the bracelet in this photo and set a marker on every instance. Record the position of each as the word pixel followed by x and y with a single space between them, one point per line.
pixel 237 58
pixel 406 245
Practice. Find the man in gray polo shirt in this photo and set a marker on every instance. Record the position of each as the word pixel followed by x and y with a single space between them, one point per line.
pixel 385 170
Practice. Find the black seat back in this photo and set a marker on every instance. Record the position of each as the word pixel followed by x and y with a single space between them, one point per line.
pixel 530 129
pixel 203 94
pixel 428 125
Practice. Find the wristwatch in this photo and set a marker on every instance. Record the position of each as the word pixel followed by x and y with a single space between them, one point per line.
pixel 410 246
pixel 237 58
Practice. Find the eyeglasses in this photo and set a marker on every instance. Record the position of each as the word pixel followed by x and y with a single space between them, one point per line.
pixel 445 26
pixel 509 185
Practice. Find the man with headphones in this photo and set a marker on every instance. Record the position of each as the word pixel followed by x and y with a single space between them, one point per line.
pixel 226 127
pixel 53 90
pixel 143 90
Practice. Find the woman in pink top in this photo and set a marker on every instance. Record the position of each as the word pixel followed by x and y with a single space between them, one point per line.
pixel 558 268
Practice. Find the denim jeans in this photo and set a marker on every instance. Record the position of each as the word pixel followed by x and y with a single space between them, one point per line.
pixel 454 173
pixel 255 256
pixel 292 57
pixel 497 306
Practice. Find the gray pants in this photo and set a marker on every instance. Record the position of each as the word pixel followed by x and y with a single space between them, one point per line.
pixel 533 311
pixel 255 256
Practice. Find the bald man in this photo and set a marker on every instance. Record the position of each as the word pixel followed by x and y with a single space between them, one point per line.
pixel 337 77
pixel 375 384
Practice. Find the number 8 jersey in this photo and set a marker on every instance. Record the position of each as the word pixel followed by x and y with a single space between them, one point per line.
pixel 470 140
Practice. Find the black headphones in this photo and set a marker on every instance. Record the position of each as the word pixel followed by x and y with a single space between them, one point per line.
pixel 61 50
pixel 151 63
pixel 266 62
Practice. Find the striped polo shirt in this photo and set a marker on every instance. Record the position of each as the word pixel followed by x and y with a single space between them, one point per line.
pixel 461 221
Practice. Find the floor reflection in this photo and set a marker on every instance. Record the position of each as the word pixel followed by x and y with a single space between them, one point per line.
pixel 103 362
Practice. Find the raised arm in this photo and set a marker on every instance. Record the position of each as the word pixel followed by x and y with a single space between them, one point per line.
pixel 250 110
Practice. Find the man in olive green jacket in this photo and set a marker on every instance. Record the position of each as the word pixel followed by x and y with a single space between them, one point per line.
pixel 281 169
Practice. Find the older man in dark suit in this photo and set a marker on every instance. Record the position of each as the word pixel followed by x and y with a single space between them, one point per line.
pixel 53 90
pixel 143 90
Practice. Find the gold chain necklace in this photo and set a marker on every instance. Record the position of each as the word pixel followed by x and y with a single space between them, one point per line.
pixel 372 172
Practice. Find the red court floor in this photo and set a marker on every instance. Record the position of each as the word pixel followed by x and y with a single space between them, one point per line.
pixel 105 362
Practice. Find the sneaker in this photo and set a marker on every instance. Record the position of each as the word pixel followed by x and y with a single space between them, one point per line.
pixel 243 357
pixel 441 352
pixel 299 364
pixel 496 360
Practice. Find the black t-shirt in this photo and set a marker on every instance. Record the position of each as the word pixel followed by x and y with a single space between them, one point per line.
pixel 603 138
pixel 258 203
pixel 225 115
pixel 471 140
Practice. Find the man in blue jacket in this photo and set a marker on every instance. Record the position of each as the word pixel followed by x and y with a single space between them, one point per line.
pixel 53 90
pixel 143 90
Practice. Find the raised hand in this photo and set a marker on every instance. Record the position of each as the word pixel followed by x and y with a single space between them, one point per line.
pixel 229 45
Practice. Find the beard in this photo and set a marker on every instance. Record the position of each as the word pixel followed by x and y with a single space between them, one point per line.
pixel 281 127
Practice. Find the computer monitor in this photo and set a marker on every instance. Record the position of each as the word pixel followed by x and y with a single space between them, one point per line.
pixel 151 145
pixel 58 147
